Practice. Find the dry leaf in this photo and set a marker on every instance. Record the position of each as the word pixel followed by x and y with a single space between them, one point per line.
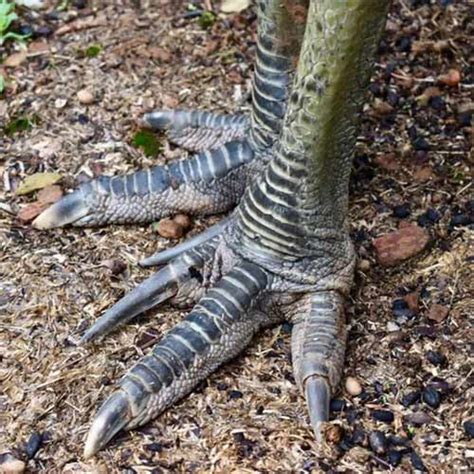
pixel 15 59
pixel 37 181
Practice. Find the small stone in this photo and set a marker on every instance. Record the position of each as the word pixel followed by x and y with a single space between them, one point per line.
pixel 469 428
pixel 363 265
pixel 440 384
pixel 400 245
pixel 438 313
pixel 359 437
pixel 154 447
pixel 416 462
pixel 337 405
pixel 170 229
pixel 410 398
pixel 392 327
pixel 452 78
pixel 378 442
pixel 402 211
pixel 435 358
pixel 431 397
pixel 460 220
pixel 418 418
pixel 353 386
pixel 401 310
pixel 412 300
pixel 11 465
pixel 383 415
pixel 420 143
pixel 33 445
pixel 115 266
pixel 85 97
pixel 183 220
pixel 235 394
pixel 394 457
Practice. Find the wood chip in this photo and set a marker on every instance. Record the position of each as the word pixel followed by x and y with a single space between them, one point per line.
pixel 15 59
pixel 438 313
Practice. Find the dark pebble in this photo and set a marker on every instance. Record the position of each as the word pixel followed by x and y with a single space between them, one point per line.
pixel 440 384
pixel 410 398
pixel 26 30
pixel 426 331
pixel 464 119
pixel 383 415
pixel 337 405
pixel 399 441
pixel 359 437
pixel 402 211
pixel 431 216
pixel 460 220
pixel 469 428
pixel 286 328
pixel 259 410
pixel 431 397
pixel 401 311
pixel 235 394
pixel 378 442
pixel 33 445
pixel 416 462
pixel 418 418
pixel 421 143
pixel 394 458
pixel 82 119
pixel 222 386
pixel 352 416
pixel 43 32
pixel 154 447
pixel 436 103
pixel 79 4
pixel 435 358
pixel 404 44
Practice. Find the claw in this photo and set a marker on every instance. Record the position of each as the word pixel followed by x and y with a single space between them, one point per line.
pixel 114 415
pixel 153 291
pixel 68 210
pixel 162 257
pixel 318 396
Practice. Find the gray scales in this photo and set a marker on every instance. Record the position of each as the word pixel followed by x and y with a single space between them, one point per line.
pixel 284 252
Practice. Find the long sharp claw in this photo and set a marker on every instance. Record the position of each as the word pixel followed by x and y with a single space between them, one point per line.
pixel 112 417
pixel 66 211
pixel 165 256
pixel 318 396
pixel 154 290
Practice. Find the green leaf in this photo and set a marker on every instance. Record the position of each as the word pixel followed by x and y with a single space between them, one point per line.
pixel 147 141
pixel 2 84
pixel 37 181
pixel 16 125
pixel 93 51
pixel 207 19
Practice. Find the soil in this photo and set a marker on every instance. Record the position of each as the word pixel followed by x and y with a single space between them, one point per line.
pixel 408 324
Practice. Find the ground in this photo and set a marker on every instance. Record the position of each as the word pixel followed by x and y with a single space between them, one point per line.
pixel 412 165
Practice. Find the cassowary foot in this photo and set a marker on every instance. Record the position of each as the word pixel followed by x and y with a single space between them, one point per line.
pixel 209 182
pixel 236 298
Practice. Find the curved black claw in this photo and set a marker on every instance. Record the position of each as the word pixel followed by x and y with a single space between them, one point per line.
pixel 160 287
pixel 112 417
pixel 318 397
pixel 164 256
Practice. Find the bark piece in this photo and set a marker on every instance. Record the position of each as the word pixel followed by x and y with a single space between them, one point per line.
pixel 438 313
pixel 400 245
